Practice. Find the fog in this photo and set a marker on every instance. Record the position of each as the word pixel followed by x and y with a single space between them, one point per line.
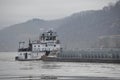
pixel 16 11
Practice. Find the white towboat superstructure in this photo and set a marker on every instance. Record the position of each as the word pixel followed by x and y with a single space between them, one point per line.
pixel 48 44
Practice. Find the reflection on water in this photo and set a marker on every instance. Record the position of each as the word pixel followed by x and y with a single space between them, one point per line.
pixel 29 70
pixel 50 65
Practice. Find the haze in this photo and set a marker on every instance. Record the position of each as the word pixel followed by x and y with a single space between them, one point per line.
pixel 16 11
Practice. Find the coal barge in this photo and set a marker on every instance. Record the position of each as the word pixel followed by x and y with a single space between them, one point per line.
pixel 91 55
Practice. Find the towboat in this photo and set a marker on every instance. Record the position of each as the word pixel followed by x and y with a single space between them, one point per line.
pixel 47 44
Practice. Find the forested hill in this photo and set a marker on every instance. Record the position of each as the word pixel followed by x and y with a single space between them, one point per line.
pixel 82 30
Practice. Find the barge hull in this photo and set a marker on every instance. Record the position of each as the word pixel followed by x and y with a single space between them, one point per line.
pixel 82 60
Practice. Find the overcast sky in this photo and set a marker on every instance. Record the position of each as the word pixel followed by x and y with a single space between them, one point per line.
pixel 15 11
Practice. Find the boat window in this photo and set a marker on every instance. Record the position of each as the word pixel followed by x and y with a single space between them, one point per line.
pixel 34 45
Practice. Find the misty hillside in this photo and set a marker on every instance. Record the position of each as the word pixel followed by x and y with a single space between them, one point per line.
pixel 80 30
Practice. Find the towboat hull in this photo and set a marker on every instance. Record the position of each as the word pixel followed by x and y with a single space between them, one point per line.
pixel 17 59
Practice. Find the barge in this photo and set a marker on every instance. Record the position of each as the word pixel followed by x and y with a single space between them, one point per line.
pixel 92 55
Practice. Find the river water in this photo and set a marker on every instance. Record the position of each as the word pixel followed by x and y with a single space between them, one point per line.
pixel 37 70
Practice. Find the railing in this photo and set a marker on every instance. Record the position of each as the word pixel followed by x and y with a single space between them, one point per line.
pixel 99 54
